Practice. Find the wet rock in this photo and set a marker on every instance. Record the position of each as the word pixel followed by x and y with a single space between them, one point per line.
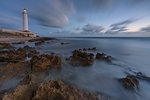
pixel 27 47
pixel 108 58
pixel 67 59
pixel 141 76
pixel 100 56
pixel 30 51
pixel 21 42
pixel 89 48
pixel 42 62
pixel 57 90
pixel 81 58
pixel 41 39
pixel 62 43
pixel 28 79
pixel 103 57
pixel 12 55
pixel 23 91
pixel 84 49
pixel 39 43
pixel 5 46
pixel 79 50
pixel 94 48
pixel 130 82
pixel 52 90
pixel 13 70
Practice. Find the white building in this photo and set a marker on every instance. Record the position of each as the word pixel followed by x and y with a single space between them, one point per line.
pixel 25 31
pixel 25 20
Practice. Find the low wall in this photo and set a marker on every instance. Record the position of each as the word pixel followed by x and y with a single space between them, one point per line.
pixel 17 32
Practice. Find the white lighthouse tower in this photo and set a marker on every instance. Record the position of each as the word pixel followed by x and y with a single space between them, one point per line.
pixel 25 20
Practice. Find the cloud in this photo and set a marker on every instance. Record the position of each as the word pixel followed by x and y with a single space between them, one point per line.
pixel 92 28
pixel 123 23
pixel 91 5
pixel 50 13
pixel 120 26
pixel 145 29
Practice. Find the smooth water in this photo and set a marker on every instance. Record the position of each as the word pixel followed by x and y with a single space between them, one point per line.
pixel 131 55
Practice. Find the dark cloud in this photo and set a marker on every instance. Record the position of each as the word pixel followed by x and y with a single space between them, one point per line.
pixel 92 28
pixel 51 13
pixel 120 26
pixel 123 23
pixel 145 29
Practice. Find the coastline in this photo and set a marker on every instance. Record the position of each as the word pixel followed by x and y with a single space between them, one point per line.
pixel 11 39
pixel 13 59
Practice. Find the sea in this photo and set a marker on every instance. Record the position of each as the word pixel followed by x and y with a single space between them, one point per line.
pixel 131 55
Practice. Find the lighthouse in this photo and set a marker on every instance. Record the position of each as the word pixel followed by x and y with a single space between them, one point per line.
pixel 25 20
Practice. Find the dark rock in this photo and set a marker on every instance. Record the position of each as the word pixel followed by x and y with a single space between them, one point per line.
pixel 12 55
pixel 5 46
pixel 94 48
pixel 89 48
pixel 31 51
pixel 67 59
pixel 100 56
pixel 84 49
pixel 17 55
pixel 22 92
pixel 141 76
pixel 81 58
pixel 41 39
pixel 62 43
pixel 80 49
pixel 57 90
pixel 42 62
pixel 28 79
pixel 39 43
pixel 12 70
pixel 108 58
pixel 130 82
pixel 21 42
pixel 52 90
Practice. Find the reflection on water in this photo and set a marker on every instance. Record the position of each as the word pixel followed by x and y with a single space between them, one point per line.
pixel 131 55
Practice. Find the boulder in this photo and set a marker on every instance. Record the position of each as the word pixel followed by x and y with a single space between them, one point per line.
pixel 103 56
pixel 41 39
pixel 84 49
pixel 39 43
pixel 5 46
pixel 130 82
pixel 94 48
pixel 30 51
pixel 12 70
pixel 81 58
pixel 12 55
pixel 24 91
pixel 57 90
pixel 100 56
pixel 42 62
pixel 108 58
pixel 21 42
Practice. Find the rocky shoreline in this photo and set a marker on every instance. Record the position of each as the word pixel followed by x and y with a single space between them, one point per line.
pixel 14 64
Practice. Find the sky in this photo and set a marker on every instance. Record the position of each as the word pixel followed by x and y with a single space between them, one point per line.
pixel 77 18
